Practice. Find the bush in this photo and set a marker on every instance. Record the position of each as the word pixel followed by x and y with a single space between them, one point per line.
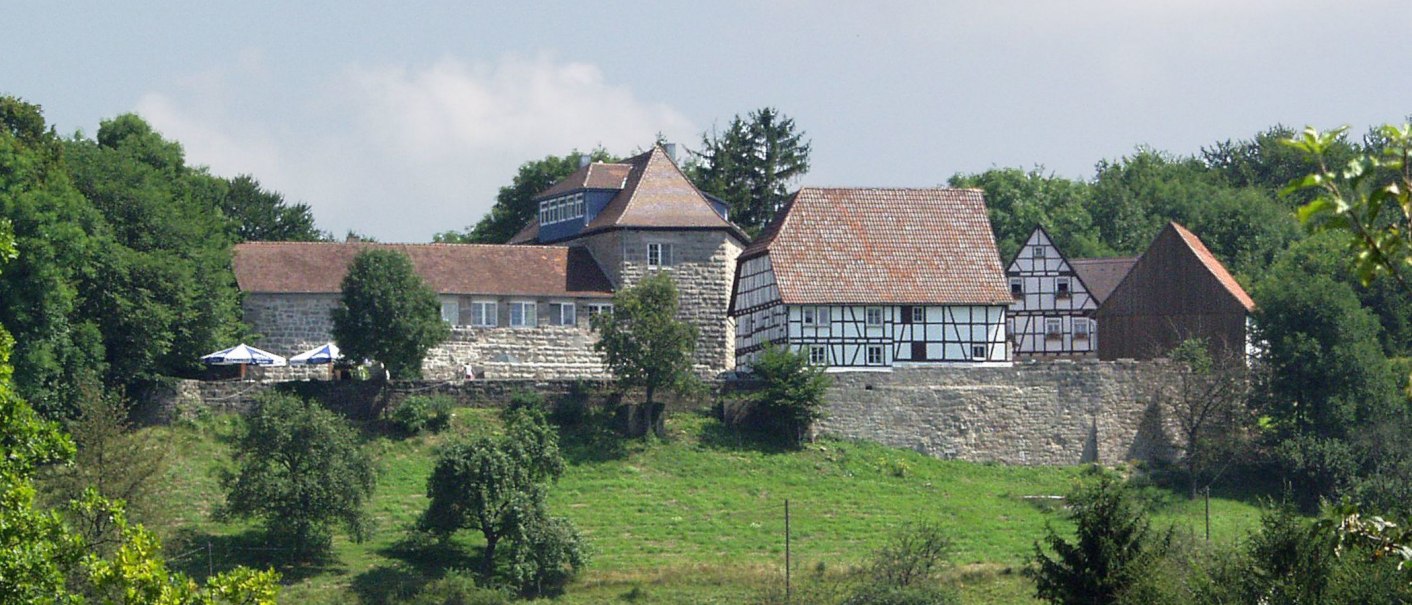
pixel 903 595
pixel 420 413
pixel 545 553
pixel 459 588
pixel 791 397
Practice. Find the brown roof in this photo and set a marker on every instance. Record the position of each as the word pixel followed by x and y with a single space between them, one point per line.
pixel 318 267
pixel 653 194
pixel 1102 275
pixel 834 246
pixel 597 175
pixel 1213 265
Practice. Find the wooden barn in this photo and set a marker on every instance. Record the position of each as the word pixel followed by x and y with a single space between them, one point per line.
pixel 1177 290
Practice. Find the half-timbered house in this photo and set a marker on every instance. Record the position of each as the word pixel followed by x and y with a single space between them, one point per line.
pixel 872 278
pixel 1177 290
pixel 1052 311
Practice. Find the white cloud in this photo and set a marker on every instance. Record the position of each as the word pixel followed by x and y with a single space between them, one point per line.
pixel 402 152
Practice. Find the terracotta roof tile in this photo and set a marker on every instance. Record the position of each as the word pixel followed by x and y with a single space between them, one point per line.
pixel 1214 266
pixel 1102 275
pixel 318 267
pixel 898 246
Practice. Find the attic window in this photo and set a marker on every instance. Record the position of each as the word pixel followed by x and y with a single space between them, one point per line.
pixel 1017 287
pixel 560 209
pixel 1039 251
pixel 1061 286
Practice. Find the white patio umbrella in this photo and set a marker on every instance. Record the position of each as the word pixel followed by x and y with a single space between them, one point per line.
pixel 326 353
pixel 244 355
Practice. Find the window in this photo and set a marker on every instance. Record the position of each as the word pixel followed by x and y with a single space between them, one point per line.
pixel 978 352
pixel 1081 328
pixel 659 255
pixel 873 316
pixel 595 310
pixel 1017 286
pixel 875 355
pixel 1039 251
pixel 522 314
pixel 562 314
pixel 807 313
pixel 919 315
pixel 450 311
pixel 818 355
pixel 1053 327
pixel 1061 286
pixel 483 313
pixel 823 313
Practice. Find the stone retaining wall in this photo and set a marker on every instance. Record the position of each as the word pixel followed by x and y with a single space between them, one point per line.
pixel 1034 413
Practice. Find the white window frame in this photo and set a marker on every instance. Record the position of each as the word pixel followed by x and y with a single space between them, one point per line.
pixel 823 317
pixel 664 255
pixel 1063 287
pixel 1039 252
pixel 978 351
pixel 598 308
pixel 453 305
pixel 1082 328
pixel 562 313
pixel 529 320
pixel 868 315
pixel 1017 286
pixel 818 355
pixel 1054 333
pixel 868 355
pixel 808 316
pixel 919 315
pixel 484 313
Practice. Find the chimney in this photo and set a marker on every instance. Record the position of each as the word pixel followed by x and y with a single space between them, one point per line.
pixel 585 159
pixel 671 149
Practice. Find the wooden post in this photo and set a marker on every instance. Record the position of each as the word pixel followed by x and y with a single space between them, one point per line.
pixel 1208 513
pixel 788 593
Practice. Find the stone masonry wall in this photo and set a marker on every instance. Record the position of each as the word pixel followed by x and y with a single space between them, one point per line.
pixel 1036 413
pixel 293 323
pixel 703 268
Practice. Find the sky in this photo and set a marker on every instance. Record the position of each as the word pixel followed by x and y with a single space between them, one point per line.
pixel 401 120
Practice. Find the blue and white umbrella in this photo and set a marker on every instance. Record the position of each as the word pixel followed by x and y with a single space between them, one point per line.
pixel 244 355
pixel 327 353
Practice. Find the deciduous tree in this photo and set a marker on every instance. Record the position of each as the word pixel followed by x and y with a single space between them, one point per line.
pixel 300 471
pixel 645 345
pixel 387 313
pixel 514 207
pixel 1207 399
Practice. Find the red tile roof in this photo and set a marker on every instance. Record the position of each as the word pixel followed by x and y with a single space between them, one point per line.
pixel 653 194
pixel 1102 275
pixel 1213 265
pixel 318 267
pixel 896 246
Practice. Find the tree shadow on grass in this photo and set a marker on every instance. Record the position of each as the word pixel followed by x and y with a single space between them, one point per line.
pixel 201 554
pixel 716 435
pixel 592 439
pixel 419 559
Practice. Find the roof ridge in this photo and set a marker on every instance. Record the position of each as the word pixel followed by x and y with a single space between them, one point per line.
pixel 418 244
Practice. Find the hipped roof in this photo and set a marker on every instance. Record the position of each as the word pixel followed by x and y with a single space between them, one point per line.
pixel 890 246
pixel 319 267
pixel 652 194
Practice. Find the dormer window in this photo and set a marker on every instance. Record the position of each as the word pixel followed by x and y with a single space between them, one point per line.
pixel 560 209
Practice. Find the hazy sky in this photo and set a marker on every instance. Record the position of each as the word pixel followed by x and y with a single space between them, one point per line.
pixel 399 120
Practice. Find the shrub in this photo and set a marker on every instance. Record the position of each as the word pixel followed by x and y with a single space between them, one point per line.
pixel 545 553
pixel 420 413
pixel 791 397
pixel 904 571
pixel 459 588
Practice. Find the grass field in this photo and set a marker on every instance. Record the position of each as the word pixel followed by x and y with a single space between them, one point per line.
pixel 697 518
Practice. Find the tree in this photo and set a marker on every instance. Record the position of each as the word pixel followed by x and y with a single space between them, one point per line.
pixel 1113 546
pixel 752 164
pixel 46 561
pixel 791 398
pixel 645 345
pixel 498 485
pixel 387 313
pixel 300 471
pixel 117 462
pixel 1207 400
pixel 1018 201
pixel 258 214
pixel 514 207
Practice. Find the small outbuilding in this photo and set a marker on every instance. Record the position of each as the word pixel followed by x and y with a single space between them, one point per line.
pixel 1177 290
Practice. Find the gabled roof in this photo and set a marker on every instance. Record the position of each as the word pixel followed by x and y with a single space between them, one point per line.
pixel 1102 275
pixel 319 267
pixel 1214 266
pixel 652 194
pixel 889 246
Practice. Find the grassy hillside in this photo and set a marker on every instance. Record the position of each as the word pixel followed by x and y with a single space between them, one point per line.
pixel 695 519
